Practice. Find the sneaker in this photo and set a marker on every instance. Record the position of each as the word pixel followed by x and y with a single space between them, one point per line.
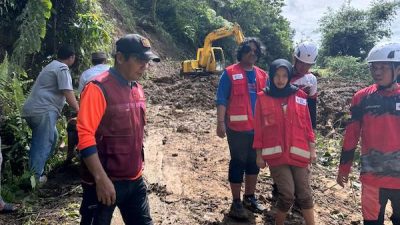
pixel 250 202
pixel 237 211
pixel 42 179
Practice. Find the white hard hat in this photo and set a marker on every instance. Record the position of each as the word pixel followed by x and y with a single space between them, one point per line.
pixel 389 52
pixel 306 52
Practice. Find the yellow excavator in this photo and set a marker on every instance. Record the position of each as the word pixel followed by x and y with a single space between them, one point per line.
pixel 211 60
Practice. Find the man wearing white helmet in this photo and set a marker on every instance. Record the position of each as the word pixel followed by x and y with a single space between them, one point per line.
pixel 304 57
pixel 375 116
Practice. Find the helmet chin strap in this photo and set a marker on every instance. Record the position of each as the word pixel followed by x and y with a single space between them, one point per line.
pixel 394 80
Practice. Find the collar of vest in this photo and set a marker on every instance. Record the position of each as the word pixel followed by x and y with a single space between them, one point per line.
pixel 121 79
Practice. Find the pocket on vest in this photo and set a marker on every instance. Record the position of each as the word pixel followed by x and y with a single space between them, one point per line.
pixel 271 152
pixel 119 159
pixel 122 122
pixel 300 154
pixel 238 114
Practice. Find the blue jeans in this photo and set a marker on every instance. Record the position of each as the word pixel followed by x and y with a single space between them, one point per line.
pixel 44 139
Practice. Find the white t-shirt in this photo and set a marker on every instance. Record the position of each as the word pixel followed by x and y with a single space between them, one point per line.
pixel 307 83
pixel 90 73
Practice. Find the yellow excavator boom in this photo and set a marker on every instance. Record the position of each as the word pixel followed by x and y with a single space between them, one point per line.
pixel 206 56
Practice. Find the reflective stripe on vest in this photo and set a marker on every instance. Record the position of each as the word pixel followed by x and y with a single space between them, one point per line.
pixel 300 152
pixel 239 110
pixel 235 118
pixel 271 151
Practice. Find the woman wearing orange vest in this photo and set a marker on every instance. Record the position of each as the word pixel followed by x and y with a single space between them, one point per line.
pixel 236 98
pixel 284 139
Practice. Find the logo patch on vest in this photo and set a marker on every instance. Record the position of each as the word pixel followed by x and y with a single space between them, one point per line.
pixel 397 106
pixel 238 76
pixel 301 101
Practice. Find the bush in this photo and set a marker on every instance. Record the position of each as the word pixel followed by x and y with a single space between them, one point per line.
pixel 347 66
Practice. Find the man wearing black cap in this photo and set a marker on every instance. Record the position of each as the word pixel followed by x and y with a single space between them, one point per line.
pixel 111 126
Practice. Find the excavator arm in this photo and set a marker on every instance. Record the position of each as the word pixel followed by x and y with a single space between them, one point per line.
pixel 235 30
pixel 211 59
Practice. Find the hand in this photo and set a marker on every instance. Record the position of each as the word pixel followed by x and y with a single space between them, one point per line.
pixel 313 153
pixel 105 191
pixel 260 162
pixel 342 179
pixel 221 129
pixel 72 121
pixel 313 156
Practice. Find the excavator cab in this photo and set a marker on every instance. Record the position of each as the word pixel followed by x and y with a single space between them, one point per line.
pixel 219 57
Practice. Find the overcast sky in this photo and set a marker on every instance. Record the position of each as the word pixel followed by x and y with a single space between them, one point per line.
pixel 303 16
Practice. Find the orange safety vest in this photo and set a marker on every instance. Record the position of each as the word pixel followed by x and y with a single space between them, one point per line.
pixel 239 111
pixel 285 138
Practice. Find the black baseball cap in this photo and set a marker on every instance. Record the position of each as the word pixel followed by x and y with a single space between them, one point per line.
pixel 137 45
pixel 99 55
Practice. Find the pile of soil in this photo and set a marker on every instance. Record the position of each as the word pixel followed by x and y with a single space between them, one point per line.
pixel 334 99
pixel 166 86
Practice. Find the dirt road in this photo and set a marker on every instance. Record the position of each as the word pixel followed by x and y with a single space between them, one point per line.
pixel 186 164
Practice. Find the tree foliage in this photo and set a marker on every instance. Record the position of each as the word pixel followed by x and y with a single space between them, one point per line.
pixel 190 21
pixel 262 19
pixel 90 32
pixel 350 31
pixel 14 130
pixel 32 29
pixel 348 66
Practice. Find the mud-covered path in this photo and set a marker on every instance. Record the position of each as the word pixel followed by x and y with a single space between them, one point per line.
pixel 186 164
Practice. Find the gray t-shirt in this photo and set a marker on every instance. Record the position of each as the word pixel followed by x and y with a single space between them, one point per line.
pixel 47 91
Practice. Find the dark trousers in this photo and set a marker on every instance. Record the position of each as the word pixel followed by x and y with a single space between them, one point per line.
pixel 72 138
pixel 243 155
pixel 384 195
pixel 131 200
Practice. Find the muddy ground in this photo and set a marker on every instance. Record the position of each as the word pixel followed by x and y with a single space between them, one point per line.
pixel 186 164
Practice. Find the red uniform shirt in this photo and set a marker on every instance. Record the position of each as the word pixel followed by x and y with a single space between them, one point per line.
pixel 375 116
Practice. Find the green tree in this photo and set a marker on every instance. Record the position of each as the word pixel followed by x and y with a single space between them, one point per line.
pixel 190 21
pixel 353 32
pixel 30 33
pixel 31 30
pixel 262 19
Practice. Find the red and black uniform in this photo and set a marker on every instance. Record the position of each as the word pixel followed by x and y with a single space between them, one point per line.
pixel 111 122
pixel 308 84
pixel 375 116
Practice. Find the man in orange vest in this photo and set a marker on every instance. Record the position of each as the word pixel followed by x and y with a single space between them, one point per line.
pixel 236 97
